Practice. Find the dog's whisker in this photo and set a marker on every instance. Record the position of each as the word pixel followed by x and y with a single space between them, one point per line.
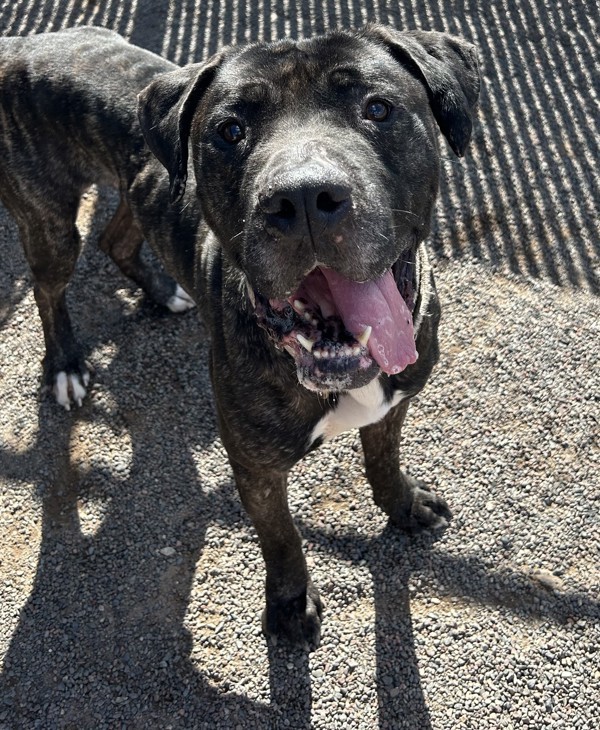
pixel 407 212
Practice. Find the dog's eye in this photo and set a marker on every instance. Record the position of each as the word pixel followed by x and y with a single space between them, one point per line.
pixel 378 110
pixel 232 131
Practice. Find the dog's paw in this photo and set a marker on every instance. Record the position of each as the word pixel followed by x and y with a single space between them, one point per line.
pixel 181 301
pixel 298 620
pixel 70 388
pixel 427 511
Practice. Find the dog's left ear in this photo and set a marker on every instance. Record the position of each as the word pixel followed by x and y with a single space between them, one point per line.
pixel 448 67
pixel 166 108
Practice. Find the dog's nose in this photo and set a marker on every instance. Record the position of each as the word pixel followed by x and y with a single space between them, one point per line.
pixel 317 205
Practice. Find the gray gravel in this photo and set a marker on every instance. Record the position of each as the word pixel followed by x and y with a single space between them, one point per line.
pixel 132 582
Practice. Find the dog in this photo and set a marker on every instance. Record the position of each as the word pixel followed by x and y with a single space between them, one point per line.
pixel 316 166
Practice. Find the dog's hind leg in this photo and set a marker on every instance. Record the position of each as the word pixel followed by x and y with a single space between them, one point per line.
pixel 52 244
pixel 122 240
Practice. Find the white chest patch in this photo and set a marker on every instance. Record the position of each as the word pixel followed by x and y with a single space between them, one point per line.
pixel 355 409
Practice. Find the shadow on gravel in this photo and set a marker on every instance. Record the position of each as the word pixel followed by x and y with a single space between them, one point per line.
pixel 389 556
pixel 399 691
pixel 296 704
pixel 464 577
pixel 393 558
pixel 106 610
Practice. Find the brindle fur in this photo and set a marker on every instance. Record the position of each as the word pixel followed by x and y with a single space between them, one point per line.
pixel 68 119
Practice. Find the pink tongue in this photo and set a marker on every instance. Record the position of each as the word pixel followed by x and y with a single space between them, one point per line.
pixel 377 304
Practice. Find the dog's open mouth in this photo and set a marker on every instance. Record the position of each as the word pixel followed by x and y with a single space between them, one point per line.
pixel 342 333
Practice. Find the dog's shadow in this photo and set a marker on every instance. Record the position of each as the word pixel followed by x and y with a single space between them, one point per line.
pixel 109 596
pixel 123 514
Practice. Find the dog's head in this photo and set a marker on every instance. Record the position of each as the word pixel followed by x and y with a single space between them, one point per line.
pixel 316 166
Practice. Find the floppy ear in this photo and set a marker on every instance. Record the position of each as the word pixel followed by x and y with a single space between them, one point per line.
pixel 448 67
pixel 166 108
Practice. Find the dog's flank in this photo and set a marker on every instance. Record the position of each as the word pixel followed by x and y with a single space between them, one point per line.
pixel 297 226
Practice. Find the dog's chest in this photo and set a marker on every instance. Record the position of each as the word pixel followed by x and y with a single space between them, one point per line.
pixel 355 409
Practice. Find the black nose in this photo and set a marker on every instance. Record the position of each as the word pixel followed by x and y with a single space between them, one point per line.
pixel 300 204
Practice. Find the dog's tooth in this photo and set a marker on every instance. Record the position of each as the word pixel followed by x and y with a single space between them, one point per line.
pixel 356 350
pixel 307 316
pixel 317 354
pixel 289 349
pixel 299 306
pixel 305 342
pixel 347 351
pixel 364 337
pixel 314 322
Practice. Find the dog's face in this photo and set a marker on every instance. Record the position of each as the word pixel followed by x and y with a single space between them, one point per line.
pixel 317 166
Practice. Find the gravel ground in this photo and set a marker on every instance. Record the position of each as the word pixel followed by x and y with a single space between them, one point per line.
pixel 132 582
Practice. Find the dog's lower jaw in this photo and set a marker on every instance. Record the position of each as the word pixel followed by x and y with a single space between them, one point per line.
pixel 317 381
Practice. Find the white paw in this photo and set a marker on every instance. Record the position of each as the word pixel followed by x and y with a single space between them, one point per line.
pixel 180 301
pixel 70 388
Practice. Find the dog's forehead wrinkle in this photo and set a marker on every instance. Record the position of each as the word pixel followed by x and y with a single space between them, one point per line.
pixel 338 59
pixel 296 85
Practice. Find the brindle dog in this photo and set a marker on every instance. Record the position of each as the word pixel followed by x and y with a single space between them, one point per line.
pixel 315 166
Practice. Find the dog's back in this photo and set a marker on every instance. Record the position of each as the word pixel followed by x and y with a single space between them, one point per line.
pixel 58 90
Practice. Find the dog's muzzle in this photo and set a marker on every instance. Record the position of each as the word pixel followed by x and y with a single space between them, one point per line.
pixel 340 333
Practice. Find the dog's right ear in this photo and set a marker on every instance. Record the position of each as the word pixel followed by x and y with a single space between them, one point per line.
pixel 166 108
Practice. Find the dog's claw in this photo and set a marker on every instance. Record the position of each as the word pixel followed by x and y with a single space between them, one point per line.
pixel 181 301
pixel 426 511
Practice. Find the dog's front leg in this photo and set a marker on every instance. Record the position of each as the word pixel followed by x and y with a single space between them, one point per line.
pixel 293 605
pixel 407 501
